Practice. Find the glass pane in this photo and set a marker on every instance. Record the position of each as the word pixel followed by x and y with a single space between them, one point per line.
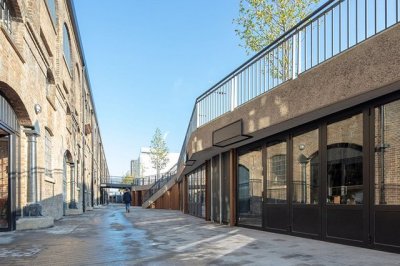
pixel 52 8
pixel 345 171
pixel 276 173
pixel 250 188
pixel 215 191
pixel 67 47
pixel 4 219
pixel 203 191
pixel 225 186
pixel 305 168
pixel 387 154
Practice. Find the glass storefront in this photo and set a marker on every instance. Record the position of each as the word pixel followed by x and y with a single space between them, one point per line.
pixel 332 172
pixel 337 179
pixel 250 187
pixel 225 188
pixel 345 161
pixel 196 191
pixel 276 173
pixel 305 180
pixel 387 154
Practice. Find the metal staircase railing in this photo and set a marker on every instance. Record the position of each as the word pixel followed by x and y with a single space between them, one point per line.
pixel 160 183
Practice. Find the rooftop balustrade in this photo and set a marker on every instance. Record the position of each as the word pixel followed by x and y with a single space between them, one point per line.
pixel 333 28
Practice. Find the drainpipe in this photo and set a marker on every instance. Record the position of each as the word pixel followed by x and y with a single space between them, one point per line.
pixel 83 140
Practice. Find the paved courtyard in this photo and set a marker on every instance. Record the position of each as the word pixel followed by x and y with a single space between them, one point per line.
pixel 109 236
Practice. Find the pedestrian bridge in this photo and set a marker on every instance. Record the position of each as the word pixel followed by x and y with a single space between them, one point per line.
pixel 115 182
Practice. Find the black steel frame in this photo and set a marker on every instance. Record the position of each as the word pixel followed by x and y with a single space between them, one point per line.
pixel 368 207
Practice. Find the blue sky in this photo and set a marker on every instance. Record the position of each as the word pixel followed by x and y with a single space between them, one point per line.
pixel 148 60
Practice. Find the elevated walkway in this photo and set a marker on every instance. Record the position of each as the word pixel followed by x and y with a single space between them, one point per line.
pixel 115 182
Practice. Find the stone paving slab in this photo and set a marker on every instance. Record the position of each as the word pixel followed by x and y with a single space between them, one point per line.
pixel 109 236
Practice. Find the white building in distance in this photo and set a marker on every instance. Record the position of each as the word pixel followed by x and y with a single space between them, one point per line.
pixel 145 166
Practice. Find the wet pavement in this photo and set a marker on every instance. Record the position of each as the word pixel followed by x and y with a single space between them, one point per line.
pixel 109 236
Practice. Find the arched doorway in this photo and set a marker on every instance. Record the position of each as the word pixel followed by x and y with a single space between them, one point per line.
pixel 9 161
pixel 5 185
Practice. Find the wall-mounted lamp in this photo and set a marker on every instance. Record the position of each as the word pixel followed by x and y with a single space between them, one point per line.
pixel 302 147
pixel 38 108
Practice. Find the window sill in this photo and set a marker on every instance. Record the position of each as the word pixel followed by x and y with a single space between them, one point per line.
pixel 49 179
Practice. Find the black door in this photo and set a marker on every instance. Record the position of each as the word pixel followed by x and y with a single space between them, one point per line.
pixel 305 184
pixel 346 204
pixel 385 186
pixel 275 202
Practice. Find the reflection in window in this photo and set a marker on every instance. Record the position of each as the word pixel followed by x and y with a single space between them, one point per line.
pixel 305 168
pixel 345 156
pixel 215 189
pixel 225 181
pixel 51 4
pixel 387 154
pixel 196 191
pixel 67 47
pixel 250 188
pixel 276 173
pixel 4 180
pixel 5 15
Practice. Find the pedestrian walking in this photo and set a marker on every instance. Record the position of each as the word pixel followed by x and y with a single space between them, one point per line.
pixel 127 198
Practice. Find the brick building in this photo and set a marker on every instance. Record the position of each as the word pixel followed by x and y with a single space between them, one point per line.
pixel 313 152
pixel 50 146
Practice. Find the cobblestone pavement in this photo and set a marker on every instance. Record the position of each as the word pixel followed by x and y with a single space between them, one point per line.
pixel 109 236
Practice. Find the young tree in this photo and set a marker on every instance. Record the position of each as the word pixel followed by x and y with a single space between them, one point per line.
pixel 261 22
pixel 127 179
pixel 158 152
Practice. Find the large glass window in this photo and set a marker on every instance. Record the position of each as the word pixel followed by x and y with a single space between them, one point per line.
pixel 250 187
pixel 215 189
pixel 305 168
pixel 225 186
pixel 5 16
pixel 345 156
pixel 196 192
pixel 51 4
pixel 67 47
pixel 276 173
pixel 387 154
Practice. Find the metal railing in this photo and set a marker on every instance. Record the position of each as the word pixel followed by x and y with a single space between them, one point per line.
pixel 143 181
pixel 333 28
pixel 5 17
pixel 160 183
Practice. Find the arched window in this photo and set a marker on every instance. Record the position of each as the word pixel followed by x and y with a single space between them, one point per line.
pixel 67 47
pixel 5 16
pixel 51 5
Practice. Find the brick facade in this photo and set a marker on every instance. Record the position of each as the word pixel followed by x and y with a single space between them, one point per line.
pixel 34 71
